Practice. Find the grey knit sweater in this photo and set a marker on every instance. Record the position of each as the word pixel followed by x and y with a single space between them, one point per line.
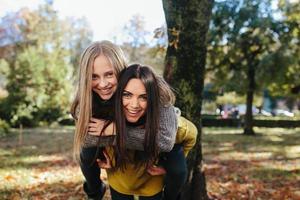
pixel 135 136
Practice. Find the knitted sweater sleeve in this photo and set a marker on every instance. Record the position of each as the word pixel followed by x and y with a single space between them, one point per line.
pixel 166 134
pixel 101 141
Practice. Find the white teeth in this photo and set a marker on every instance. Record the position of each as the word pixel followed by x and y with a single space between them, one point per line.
pixel 133 112
pixel 105 90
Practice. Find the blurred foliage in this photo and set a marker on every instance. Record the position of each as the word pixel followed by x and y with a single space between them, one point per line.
pixel 254 45
pixel 258 34
pixel 208 107
pixel 288 83
pixel 39 64
pixel 4 126
pixel 137 46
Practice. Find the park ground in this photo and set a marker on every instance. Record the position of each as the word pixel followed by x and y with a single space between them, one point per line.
pixel 38 164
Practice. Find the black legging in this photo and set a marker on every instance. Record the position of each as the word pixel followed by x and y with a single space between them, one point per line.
pixel 119 196
pixel 93 186
pixel 175 165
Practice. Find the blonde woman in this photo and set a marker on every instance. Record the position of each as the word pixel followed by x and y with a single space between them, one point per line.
pixel 93 110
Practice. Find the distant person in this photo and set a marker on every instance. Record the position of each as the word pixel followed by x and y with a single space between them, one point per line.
pixel 224 114
pixel 235 112
pixel 219 108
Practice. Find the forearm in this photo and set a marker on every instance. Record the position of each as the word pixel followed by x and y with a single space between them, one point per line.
pixel 168 128
pixel 186 134
pixel 101 141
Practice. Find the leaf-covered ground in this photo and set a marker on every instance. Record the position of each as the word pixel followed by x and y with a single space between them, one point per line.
pixel 266 166
pixel 39 165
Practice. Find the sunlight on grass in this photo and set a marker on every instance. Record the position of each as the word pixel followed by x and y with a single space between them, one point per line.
pixel 45 130
pixel 4 152
pixel 292 151
pixel 279 131
pixel 56 168
pixel 222 130
pixel 292 165
pixel 245 156
pixel 31 161
pixel 274 138
pixel 268 174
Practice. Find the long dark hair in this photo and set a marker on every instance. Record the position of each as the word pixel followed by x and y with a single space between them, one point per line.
pixel 147 76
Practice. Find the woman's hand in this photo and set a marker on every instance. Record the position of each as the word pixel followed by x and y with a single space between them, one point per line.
pixel 110 129
pixel 95 126
pixel 155 170
pixel 104 164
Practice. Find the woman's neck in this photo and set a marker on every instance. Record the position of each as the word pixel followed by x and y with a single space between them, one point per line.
pixel 140 122
pixel 98 98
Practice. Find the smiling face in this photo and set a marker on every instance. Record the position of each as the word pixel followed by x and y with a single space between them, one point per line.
pixel 134 99
pixel 104 80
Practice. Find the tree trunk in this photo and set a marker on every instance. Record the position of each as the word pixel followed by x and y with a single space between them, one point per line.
pixel 173 19
pixel 248 126
pixel 195 189
pixel 187 23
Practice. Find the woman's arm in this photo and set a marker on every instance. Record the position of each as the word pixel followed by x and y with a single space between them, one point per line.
pixel 186 134
pixel 166 134
pixel 94 136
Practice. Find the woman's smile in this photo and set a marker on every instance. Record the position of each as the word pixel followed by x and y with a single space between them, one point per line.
pixel 134 100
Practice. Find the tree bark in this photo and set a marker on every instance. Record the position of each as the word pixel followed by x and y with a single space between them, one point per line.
pixel 248 125
pixel 173 19
pixel 187 24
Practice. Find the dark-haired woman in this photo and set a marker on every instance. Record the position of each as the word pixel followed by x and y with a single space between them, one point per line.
pixel 137 105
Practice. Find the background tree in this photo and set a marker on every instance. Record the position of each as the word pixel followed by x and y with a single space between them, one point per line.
pixel 79 36
pixel 288 55
pixel 39 71
pixel 187 23
pixel 246 47
pixel 135 37
pixel 139 48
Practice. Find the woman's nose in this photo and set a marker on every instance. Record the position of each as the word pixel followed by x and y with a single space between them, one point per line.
pixel 134 103
pixel 102 83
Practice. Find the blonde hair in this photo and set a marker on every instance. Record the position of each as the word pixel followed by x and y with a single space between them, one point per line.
pixel 81 108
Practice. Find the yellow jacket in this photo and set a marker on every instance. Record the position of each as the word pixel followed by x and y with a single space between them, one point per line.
pixel 135 181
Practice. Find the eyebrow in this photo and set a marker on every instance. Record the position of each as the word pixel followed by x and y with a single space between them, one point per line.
pixel 110 71
pixel 145 94
pixel 126 91
pixel 107 72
